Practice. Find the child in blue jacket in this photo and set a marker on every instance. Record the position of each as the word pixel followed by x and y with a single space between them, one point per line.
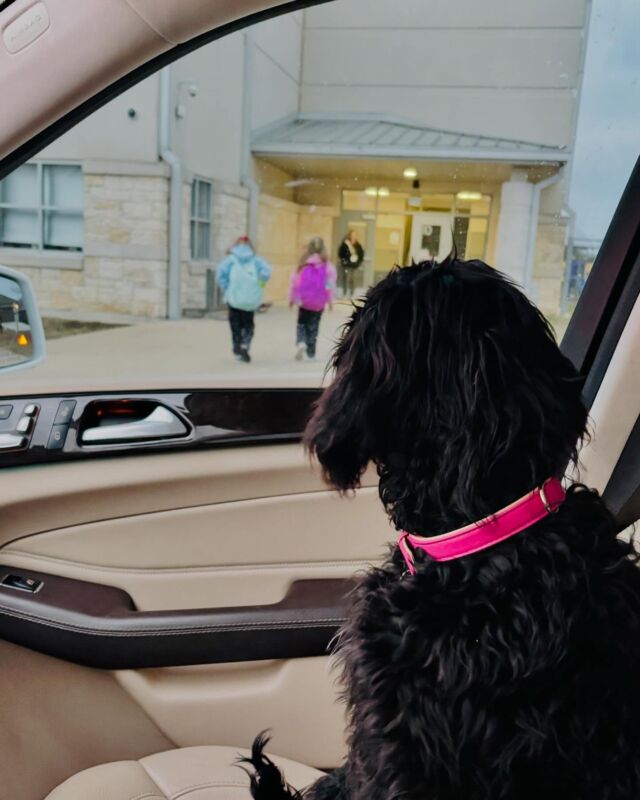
pixel 242 277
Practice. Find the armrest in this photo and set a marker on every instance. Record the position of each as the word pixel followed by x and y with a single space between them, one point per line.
pixel 99 626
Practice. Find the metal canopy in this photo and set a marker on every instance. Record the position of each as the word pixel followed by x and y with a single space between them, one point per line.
pixel 375 136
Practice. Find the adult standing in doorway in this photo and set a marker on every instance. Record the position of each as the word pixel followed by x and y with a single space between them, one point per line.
pixel 242 277
pixel 351 256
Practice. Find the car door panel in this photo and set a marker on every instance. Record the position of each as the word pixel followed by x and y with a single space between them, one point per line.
pixel 228 554
pixel 245 524
pixel 222 528
pixel 37 499
pixel 228 703
pixel 66 718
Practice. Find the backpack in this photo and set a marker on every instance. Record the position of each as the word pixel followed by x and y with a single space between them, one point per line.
pixel 245 291
pixel 312 288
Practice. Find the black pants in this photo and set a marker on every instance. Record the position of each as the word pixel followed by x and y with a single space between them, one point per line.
pixel 242 328
pixel 307 330
pixel 349 280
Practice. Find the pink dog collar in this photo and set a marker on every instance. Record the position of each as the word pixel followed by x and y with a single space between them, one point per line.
pixel 480 535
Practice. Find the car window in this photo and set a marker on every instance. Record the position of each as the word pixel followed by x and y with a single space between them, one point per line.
pixel 218 220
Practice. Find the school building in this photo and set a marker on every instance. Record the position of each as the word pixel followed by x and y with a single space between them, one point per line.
pixel 419 124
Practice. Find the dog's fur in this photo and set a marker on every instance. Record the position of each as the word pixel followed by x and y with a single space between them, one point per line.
pixel 514 673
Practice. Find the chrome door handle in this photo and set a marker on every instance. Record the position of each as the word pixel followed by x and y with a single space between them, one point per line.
pixel 161 423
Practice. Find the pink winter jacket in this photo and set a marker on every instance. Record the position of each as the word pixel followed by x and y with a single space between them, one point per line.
pixel 315 261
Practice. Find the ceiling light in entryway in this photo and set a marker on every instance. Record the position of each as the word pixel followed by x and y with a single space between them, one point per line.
pixel 371 191
pixel 410 173
pixel 383 192
pixel 469 196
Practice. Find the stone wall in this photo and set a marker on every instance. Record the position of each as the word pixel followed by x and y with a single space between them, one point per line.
pixel 278 243
pixel 549 264
pixel 285 228
pixel 122 269
pixel 126 245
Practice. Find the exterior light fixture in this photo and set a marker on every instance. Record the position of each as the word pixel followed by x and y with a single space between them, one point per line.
pixel 469 196
pixel 410 173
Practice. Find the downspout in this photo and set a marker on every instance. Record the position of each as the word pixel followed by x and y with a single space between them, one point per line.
pixel 538 188
pixel 245 166
pixel 174 163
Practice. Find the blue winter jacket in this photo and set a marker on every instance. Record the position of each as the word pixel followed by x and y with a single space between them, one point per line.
pixel 244 253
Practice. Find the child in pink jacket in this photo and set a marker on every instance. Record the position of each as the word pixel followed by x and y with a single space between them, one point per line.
pixel 312 289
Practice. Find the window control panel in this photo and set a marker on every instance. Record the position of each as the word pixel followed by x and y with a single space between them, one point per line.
pixel 21 583
pixel 16 433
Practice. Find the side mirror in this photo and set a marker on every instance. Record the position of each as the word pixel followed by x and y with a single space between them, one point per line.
pixel 22 342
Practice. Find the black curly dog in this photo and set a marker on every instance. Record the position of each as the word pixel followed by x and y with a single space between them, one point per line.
pixel 511 674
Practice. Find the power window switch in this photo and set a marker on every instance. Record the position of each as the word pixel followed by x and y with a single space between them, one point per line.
pixel 9 441
pixel 57 437
pixel 24 425
pixel 65 412
pixel 22 583
pixel 30 410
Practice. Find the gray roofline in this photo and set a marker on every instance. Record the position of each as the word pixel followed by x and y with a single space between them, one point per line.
pixel 503 150
pixel 392 119
pixel 407 153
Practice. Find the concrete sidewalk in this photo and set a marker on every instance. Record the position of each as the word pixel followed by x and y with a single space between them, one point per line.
pixel 184 353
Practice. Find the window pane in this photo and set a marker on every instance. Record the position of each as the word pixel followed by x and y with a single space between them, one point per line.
pixel 204 200
pixel 358 201
pixel 460 232
pixel 18 228
pixel 473 203
pixel 200 240
pixel 350 117
pixel 193 236
pixel 194 199
pixel 203 239
pixel 437 202
pixel 476 244
pixel 63 230
pixel 63 186
pixel 21 187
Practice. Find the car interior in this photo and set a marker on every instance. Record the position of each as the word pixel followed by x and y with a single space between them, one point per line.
pixel 173 570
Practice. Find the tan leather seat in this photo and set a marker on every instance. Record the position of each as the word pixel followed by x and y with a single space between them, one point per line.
pixel 189 773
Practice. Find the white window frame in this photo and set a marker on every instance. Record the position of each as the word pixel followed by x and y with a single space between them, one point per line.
pixel 196 221
pixel 42 208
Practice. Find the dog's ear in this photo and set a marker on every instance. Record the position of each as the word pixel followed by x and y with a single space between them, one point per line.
pixel 345 431
pixel 337 435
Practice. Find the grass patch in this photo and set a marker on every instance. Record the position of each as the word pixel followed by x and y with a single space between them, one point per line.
pixel 56 328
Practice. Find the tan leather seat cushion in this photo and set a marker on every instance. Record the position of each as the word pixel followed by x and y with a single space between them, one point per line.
pixel 193 773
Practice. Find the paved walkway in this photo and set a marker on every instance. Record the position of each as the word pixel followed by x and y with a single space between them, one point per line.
pixel 185 353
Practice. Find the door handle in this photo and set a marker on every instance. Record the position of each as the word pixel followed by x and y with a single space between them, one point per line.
pixel 161 423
